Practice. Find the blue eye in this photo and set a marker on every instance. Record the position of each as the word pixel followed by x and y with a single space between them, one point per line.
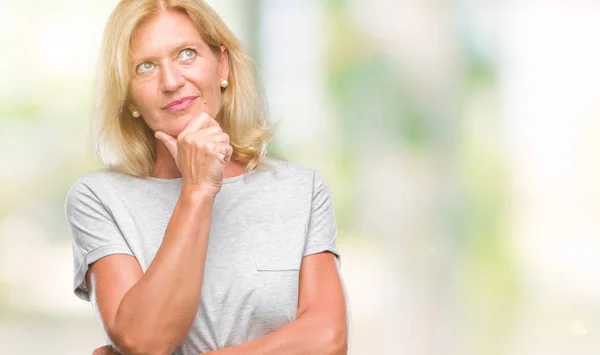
pixel 187 54
pixel 144 68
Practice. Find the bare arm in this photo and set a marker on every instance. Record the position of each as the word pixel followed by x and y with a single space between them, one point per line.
pixel 320 327
pixel 151 312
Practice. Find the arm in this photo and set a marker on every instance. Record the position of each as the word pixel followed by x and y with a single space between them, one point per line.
pixel 151 312
pixel 141 312
pixel 320 327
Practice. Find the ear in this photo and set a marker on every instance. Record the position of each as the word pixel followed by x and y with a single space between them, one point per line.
pixel 224 63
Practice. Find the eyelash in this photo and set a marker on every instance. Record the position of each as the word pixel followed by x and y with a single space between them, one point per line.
pixel 137 69
pixel 183 50
pixel 189 49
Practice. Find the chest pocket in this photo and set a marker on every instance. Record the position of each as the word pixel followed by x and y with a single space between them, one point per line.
pixel 277 245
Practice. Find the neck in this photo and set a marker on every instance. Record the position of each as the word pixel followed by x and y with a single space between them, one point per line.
pixel 164 163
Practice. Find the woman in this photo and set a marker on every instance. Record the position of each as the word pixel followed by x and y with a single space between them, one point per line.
pixel 191 240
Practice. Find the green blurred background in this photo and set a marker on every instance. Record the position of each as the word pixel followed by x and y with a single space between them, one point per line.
pixel 460 139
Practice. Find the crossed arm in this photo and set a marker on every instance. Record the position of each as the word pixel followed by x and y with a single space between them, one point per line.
pixel 320 327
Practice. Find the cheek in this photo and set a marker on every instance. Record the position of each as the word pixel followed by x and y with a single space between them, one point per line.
pixel 146 97
pixel 214 102
pixel 141 93
pixel 203 75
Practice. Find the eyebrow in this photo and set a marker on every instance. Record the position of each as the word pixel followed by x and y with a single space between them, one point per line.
pixel 176 49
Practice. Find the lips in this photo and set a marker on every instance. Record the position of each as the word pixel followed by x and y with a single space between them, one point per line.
pixel 181 103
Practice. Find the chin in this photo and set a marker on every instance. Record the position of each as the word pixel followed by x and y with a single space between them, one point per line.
pixel 176 126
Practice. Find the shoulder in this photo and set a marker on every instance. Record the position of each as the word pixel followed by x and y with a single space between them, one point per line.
pixel 278 170
pixel 97 180
pixel 95 186
pixel 298 174
pixel 284 180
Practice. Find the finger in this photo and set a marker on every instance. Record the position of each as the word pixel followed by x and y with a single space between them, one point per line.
pixel 192 126
pixel 221 137
pixel 223 151
pixel 168 141
pixel 211 121
pixel 210 147
pixel 220 157
pixel 229 153
pixel 209 134
pixel 197 123
pixel 208 131
pixel 102 350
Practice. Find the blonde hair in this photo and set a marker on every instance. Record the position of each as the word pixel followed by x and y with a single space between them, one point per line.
pixel 126 144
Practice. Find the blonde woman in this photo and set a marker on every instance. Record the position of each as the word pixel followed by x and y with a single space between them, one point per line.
pixel 191 240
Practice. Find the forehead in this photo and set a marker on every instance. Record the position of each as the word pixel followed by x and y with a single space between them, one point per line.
pixel 162 32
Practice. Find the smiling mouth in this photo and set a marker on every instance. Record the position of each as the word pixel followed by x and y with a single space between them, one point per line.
pixel 181 104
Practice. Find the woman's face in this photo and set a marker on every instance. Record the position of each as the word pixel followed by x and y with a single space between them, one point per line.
pixel 176 76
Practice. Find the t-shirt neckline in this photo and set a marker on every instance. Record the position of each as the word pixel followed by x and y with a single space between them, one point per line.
pixel 227 180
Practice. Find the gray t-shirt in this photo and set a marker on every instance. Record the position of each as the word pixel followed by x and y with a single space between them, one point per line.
pixel 263 223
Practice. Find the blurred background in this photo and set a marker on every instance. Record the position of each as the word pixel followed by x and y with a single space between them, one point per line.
pixel 460 139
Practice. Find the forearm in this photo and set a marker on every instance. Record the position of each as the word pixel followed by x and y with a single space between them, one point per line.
pixel 310 334
pixel 157 312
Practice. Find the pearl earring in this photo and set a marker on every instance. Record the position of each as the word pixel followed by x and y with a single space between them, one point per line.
pixel 135 114
pixel 224 83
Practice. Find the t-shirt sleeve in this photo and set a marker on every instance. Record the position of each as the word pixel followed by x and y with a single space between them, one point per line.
pixel 322 228
pixel 94 233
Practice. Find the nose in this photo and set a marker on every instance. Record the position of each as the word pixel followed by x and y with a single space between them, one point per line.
pixel 171 78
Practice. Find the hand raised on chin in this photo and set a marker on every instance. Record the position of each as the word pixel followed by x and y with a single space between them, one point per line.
pixel 105 350
pixel 201 152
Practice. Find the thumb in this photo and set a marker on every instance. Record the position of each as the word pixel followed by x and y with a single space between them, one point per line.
pixel 168 141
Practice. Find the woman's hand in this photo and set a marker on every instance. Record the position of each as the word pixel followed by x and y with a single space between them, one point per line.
pixel 201 152
pixel 105 350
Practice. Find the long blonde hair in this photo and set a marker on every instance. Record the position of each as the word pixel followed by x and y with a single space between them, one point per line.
pixel 125 144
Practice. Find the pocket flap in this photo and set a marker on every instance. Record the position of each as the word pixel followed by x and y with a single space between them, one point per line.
pixel 277 246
